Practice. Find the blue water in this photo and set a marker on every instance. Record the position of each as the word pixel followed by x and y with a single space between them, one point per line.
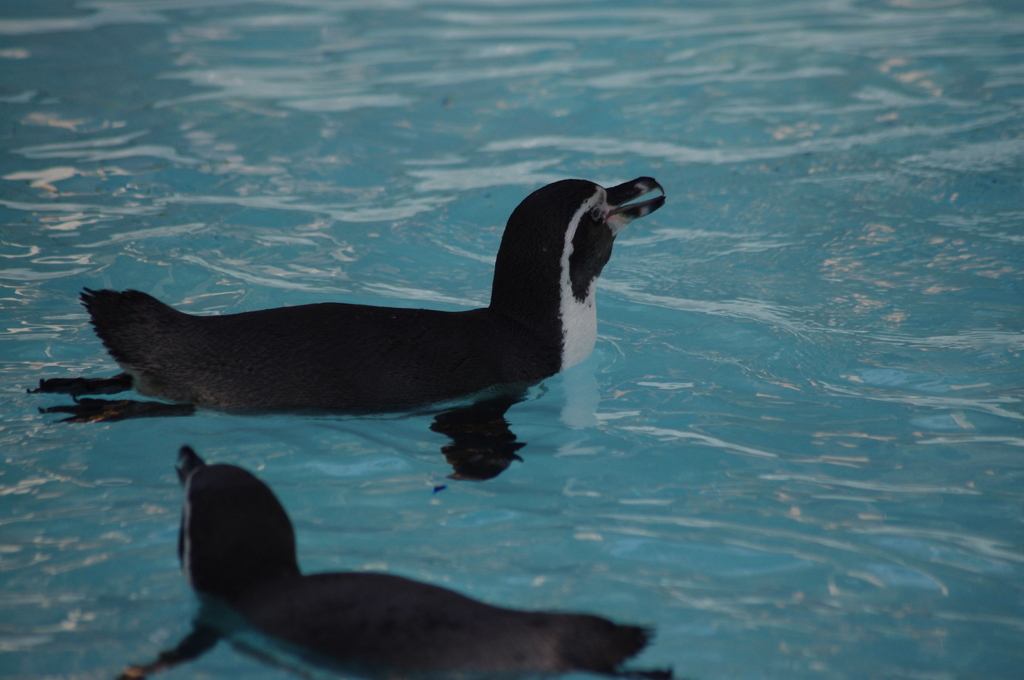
pixel 798 448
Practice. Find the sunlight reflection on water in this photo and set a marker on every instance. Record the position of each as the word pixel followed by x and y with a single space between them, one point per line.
pixel 796 448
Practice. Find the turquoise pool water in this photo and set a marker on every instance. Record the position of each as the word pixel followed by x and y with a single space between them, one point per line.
pixel 798 448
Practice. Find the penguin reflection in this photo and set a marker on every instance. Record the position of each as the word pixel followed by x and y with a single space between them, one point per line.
pixel 237 550
pixel 541 319
pixel 482 444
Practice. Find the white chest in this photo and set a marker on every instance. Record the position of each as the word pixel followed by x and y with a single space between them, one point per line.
pixel 579 325
pixel 579 317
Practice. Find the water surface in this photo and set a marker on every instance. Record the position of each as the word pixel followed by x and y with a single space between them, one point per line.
pixel 797 448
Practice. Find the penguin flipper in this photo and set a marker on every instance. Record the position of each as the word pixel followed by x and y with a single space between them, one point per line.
pixel 195 644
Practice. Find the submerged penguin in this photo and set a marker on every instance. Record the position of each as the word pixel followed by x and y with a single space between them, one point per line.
pixel 237 550
pixel 541 320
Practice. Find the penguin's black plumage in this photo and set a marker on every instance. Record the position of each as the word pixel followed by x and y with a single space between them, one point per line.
pixel 237 545
pixel 541 319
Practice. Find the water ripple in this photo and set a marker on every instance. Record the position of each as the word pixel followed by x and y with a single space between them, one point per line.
pixel 109 14
pixel 676 153
pixel 84 208
pixel 979 157
pixel 270 282
pixel 668 434
pixel 823 480
pixel 990 405
pixel 352 212
pixel 757 310
pixel 22 274
pixel 156 232
pixel 464 179
pixel 978 544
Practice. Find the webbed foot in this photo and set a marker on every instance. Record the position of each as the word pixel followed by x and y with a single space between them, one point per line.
pixel 100 410
pixel 76 387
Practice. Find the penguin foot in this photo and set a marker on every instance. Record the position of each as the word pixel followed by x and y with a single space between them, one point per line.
pixel 100 410
pixel 76 387
pixel 194 645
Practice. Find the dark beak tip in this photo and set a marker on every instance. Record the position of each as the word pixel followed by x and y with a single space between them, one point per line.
pixel 619 196
pixel 649 184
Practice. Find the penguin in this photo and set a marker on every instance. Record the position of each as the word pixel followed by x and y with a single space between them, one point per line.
pixel 237 551
pixel 541 320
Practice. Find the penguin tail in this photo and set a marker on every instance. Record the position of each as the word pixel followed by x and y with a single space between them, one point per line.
pixel 602 646
pixel 130 323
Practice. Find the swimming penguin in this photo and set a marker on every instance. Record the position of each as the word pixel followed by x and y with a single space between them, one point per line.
pixel 541 320
pixel 237 550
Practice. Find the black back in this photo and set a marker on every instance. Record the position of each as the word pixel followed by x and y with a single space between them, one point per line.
pixel 376 622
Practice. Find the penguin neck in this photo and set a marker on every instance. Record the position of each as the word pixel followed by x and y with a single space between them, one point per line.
pixel 533 287
pixel 577 315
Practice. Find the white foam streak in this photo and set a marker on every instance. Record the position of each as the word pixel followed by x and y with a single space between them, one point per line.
pixel 945 403
pixel 94 156
pixel 607 146
pixel 1010 441
pixel 979 157
pixel 157 232
pixel 823 480
pixel 20 274
pixel 108 16
pixel 738 309
pixel 80 207
pixel 464 179
pixel 420 295
pixel 257 280
pixel 498 73
pixel 730 528
pixel 965 340
pixel 349 102
pixel 669 434
pixel 679 76
pixel 399 210
pixel 486 259
pixel 95 143
pixel 978 544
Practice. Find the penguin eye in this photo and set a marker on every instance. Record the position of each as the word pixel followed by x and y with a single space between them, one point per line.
pixel 595 214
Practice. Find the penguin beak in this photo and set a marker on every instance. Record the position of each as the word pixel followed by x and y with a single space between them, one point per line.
pixel 188 462
pixel 622 211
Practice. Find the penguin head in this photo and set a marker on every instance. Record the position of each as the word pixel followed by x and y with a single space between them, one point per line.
pixel 234 533
pixel 554 247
